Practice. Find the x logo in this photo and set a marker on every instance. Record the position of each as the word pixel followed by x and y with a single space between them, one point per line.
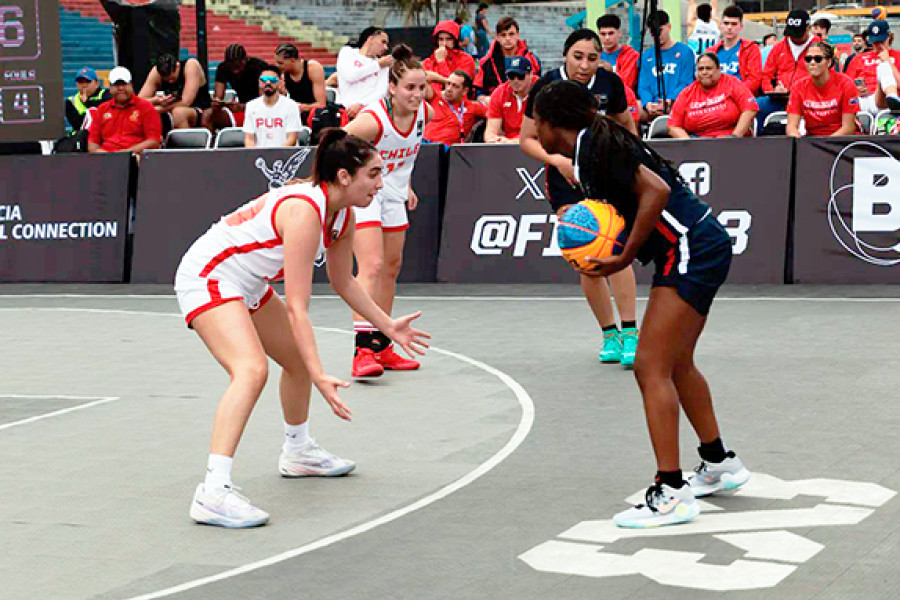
pixel 531 184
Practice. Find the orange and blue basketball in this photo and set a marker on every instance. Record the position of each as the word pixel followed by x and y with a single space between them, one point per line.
pixel 590 228
pixel 879 13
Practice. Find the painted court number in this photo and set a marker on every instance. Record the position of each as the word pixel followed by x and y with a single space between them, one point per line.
pixel 771 552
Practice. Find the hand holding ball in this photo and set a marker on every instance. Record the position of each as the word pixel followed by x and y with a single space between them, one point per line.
pixel 590 229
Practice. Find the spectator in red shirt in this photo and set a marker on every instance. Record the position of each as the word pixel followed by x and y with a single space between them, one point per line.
pixel 127 123
pixel 447 56
pixel 716 105
pixel 826 100
pixel 875 72
pixel 492 68
pixel 507 105
pixel 737 56
pixel 454 114
pixel 784 65
pixel 621 60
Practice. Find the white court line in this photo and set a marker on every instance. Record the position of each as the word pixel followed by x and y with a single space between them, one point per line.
pixel 473 298
pixel 525 423
pixel 97 400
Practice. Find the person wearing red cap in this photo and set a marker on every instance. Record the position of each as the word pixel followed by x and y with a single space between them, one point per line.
pixel 492 68
pixel 447 56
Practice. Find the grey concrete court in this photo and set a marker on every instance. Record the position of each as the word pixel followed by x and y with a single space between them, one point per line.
pixel 490 473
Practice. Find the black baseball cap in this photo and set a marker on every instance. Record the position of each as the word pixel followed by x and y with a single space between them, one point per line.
pixel 878 31
pixel 796 24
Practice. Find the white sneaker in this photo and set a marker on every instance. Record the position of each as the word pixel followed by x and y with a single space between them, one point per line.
pixel 225 507
pixel 665 505
pixel 313 461
pixel 726 476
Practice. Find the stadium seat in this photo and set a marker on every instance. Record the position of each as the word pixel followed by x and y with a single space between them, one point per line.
pixel 779 116
pixel 866 122
pixel 331 95
pixel 179 139
pixel 659 128
pixel 304 136
pixel 878 120
pixel 230 137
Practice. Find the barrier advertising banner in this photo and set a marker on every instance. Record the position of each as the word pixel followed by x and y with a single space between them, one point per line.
pixel 498 226
pixel 63 218
pixel 847 215
pixel 181 193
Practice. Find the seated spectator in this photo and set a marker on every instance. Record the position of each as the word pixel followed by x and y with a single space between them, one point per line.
pixel 826 100
pixel 467 41
pixel 622 60
pixel 126 123
pixel 242 74
pixel 272 120
pixel 304 79
pixel 768 42
pixel 447 56
pixel 784 66
pixel 677 71
pixel 703 26
pixel 492 68
pixel 737 56
pixel 178 90
pixel 875 72
pixel 821 27
pixel 716 105
pixel 859 45
pixel 363 70
pixel 90 94
pixel 507 105
pixel 454 114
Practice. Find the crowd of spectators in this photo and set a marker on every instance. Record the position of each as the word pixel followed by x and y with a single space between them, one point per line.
pixel 717 84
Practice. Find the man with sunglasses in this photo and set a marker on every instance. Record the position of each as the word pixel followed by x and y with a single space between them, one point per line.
pixel 272 120
pixel 241 73
pixel 507 105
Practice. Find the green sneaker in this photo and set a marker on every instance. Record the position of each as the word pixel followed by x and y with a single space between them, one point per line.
pixel 629 346
pixel 611 352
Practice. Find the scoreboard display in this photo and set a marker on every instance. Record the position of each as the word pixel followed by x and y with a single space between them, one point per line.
pixel 31 90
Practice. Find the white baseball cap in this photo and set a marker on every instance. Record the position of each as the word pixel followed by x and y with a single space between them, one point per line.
pixel 119 74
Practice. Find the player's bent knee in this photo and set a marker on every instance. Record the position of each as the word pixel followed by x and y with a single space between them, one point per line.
pixel 252 373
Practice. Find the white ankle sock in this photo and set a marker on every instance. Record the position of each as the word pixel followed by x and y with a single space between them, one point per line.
pixel 296 437
pixel 218 470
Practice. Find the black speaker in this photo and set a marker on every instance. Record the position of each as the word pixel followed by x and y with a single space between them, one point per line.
pixel 142 34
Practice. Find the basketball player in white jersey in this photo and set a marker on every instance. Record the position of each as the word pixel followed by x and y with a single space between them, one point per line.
pixel 395 126
pixel 224 292
pixel 703 26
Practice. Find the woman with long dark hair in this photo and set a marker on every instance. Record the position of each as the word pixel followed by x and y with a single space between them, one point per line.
pixel 669 226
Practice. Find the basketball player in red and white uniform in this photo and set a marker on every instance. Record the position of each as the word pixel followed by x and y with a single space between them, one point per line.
pixel 224 292
pixel 395 126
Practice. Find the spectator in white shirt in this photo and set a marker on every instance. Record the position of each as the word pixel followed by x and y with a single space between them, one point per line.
pixel 363 70
pixel 272 120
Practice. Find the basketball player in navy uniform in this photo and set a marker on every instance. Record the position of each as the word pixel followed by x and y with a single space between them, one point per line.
pixel 669 226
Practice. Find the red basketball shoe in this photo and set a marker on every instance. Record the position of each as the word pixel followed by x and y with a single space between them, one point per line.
pixel 392 361
pixel 365 364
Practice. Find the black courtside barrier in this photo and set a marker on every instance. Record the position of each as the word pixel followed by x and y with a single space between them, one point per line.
pixel 181 193
pixel 63 218
pixel 847 222
pixel 498 226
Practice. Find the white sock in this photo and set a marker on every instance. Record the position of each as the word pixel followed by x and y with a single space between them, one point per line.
pixel 218 470
pixel 886 77
pixel 296 437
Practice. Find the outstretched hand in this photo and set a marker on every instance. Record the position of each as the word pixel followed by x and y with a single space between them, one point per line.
pixel 328 387
pixel 411 340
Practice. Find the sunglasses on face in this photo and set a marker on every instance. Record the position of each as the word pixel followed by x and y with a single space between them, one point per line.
pixel 269 79
pixel 813 59
pixel 515 75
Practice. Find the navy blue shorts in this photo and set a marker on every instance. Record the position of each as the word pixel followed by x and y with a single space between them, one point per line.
pixel 696 265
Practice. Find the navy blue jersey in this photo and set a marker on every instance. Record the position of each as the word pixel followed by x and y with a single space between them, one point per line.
pixel 682 211
pixel 606 87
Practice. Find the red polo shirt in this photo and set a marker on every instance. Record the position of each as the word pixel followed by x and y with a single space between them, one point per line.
pixel 121 127
pixel 822 108
pixel 507 106
pixel 450 125
pixel 712 112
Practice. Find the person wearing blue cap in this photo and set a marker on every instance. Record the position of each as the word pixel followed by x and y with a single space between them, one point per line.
pixel 875 71
pixel 90 94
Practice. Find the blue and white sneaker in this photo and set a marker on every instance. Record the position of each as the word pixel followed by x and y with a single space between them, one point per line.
pixel 726 476
pixel 312 461
pixel 225 507
pixel 664 505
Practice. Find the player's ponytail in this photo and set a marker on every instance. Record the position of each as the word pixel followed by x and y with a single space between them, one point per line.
pixel 339 150
pixel 404 60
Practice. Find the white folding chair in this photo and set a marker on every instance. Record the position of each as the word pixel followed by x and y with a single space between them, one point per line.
pixel 179 139
pixel 230 137
pixel 866 122
pixel 779 116
pixel 659 128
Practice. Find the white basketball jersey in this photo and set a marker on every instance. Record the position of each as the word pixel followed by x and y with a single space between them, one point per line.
pixel 246 244
pixel 398 150
pixel 705 35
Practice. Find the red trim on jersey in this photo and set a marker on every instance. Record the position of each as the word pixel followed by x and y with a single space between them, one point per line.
pixel 344 226
pixel 670 260
pixel 216 299
pixel 666 232
pixel 302 197
pixel 380 126
pixel 229 252
pixel 394 125
pixel 397 228
pixel 266 297
pixel 366 224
